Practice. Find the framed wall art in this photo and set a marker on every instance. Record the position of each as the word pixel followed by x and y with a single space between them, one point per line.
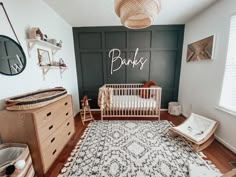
pixel 201 50
pixel 44 57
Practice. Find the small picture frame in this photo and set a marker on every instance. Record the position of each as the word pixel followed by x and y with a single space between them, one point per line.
pixel 44 57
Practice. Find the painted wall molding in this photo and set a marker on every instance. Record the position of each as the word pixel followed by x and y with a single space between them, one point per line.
pixel 117 55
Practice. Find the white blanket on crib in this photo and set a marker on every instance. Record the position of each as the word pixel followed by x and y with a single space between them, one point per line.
pixel 132 101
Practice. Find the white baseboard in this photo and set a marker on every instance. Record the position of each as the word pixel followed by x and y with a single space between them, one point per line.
pixel 95 110
pixel 185 115
pixel 233 149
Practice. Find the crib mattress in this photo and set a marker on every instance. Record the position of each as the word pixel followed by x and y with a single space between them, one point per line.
pixel 132 102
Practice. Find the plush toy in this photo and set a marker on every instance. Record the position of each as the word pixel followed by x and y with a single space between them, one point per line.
pixel 146 93
pixel 20 164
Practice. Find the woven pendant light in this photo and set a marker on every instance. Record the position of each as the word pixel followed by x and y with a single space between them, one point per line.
pixel 137 14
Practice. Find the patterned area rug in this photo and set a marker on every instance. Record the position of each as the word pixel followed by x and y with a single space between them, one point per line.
pixel 130 148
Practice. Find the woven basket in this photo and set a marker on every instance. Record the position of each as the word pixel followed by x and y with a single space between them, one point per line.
pixel 137 14
pixel 174 108
pixel 35 99
pixel 10 154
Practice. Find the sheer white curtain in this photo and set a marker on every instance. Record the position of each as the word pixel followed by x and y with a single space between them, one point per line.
pixel 228 94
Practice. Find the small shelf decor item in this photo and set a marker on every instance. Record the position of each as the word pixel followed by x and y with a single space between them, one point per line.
pixel 62 63
pixel 44 57
pixel 35 99
pixel 35 33
pixel 201 50
pixel 137 14
pixel 53 41
pixel 45 37
pixel 59 44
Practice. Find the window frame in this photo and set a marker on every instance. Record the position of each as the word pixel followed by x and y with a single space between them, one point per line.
pixel 222 107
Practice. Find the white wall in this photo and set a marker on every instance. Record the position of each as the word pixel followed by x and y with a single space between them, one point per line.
pixel 35 13
pixel 201 81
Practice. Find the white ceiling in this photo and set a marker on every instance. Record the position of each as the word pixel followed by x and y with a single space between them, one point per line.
pixel 101 12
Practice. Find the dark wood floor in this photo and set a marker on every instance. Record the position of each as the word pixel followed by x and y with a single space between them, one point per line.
pixel 216 152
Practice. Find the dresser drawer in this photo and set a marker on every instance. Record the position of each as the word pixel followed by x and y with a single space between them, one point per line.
pixel 53 145
pixel 64 115
pixel 68 131
pixel 50 155
pixel 44 115
pixel 53 124
pixel 58 135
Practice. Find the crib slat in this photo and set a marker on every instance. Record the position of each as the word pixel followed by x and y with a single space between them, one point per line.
pixel 119 103
pixel 151 100
pixel 146 102
pixel 123 103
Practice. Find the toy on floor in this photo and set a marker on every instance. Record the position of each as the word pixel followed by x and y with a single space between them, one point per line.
pixel 86 114
pixel 197 129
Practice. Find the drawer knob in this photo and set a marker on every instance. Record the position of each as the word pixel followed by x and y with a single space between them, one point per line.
pixel 48 114
pixel 54 152
pixel 66 103
pixel 52 139
pixel 68 133
pixel 67 114
pixel 50 127
pixel 68 124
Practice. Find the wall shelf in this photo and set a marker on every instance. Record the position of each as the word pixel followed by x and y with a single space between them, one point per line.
pixel 53 48
pixel 45 69
pixel 33 42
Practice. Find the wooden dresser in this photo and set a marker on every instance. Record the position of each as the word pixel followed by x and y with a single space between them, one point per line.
pixel 46 131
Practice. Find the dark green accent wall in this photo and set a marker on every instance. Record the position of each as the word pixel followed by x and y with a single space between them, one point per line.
pixel 162 45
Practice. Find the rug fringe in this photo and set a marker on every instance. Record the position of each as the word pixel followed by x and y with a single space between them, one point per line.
pixel 209 164
pixel 73 153
pixel 201 154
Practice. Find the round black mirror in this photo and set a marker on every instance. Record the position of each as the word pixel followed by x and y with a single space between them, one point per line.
pixel 12 57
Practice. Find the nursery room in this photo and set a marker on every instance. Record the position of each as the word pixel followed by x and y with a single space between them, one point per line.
pixel 118 88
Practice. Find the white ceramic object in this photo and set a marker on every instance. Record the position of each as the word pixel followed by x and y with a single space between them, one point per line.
pixel 53 41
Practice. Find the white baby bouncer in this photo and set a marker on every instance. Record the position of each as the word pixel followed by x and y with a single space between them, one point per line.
pixel 197 129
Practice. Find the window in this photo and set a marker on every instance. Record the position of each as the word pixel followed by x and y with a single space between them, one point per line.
pixel 228 94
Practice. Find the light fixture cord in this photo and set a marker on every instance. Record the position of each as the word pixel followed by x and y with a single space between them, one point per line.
pixel 9 21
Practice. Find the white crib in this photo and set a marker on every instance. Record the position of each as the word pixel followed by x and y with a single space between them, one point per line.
pixel 129 100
